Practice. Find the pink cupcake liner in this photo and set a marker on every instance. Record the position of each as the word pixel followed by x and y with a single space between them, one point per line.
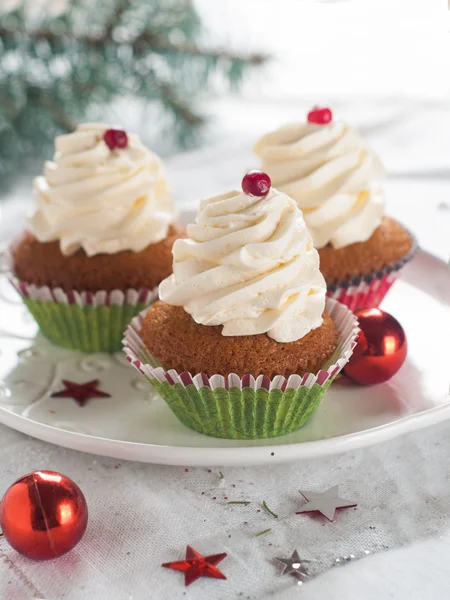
pixel 86 298
pixel 368 291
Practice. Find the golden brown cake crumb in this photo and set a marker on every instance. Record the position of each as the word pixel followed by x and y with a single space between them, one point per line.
pixel 388 244
pixel 43 263
pixel 178 342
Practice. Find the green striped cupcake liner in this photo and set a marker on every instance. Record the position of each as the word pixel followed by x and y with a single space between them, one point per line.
pixel 86 321
pixel 245 407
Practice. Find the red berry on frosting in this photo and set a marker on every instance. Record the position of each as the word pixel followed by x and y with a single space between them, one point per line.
pixel 115 138
pixel 256 183
pixel 320 115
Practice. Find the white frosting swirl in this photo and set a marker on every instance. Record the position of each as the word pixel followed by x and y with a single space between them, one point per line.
pixel 332 175
pixel 249 265
pixel 101 200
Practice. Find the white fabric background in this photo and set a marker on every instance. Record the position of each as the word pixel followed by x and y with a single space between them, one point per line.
pixel 143 515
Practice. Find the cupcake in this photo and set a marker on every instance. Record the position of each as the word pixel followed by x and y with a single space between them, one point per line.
pixel 337 181
pixel 99 240
pixel 243 343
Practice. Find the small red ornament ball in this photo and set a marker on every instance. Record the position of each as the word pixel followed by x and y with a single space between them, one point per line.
pixel 320 115
pixel 256 183
pixel 115 138
pixel 381 347
pixel 43 515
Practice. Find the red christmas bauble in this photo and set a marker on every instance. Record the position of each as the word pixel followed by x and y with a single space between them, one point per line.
pixel 381 347
pixel 256 183
pixel 43 515
pixel 115 138
pixel 320 115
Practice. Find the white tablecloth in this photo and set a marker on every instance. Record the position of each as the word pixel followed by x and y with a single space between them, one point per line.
pixel 143 515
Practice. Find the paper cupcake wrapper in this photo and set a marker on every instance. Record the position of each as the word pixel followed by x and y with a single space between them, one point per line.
pixel 87 321
pixel 245 407
pixel 368 291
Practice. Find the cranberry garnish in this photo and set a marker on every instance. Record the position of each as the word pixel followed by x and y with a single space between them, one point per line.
pixel 256 183
pixel 115 138
pixel 320 115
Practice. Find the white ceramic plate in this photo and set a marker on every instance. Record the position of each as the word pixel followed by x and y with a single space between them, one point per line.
pixel 135 424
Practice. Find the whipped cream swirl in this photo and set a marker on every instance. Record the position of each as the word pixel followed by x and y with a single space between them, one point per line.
pixel 249 265
pixel 332 175
pixel 101 200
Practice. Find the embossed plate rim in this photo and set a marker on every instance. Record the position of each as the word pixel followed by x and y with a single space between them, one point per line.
pixel 209 456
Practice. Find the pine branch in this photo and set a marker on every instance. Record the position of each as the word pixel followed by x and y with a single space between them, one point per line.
pixel 59 116
pixel 145 41
pixel 7 106
pixel 163 44
pixel 116 16
pixel 58 67
pixel 181 110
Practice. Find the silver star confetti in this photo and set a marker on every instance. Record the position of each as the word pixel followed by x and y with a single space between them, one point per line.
pixel 326 502
pixel 294 566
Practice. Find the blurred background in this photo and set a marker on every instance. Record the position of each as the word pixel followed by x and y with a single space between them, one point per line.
pixel 200 80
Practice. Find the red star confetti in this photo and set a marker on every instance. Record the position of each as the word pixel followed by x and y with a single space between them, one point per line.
pixel 326 502
pixel 80 392
pixel 195 565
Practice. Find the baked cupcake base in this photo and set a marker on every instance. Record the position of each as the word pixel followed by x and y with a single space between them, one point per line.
pixel 43 264
pixel 360 275
pixel 243 407
pixel 170 334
